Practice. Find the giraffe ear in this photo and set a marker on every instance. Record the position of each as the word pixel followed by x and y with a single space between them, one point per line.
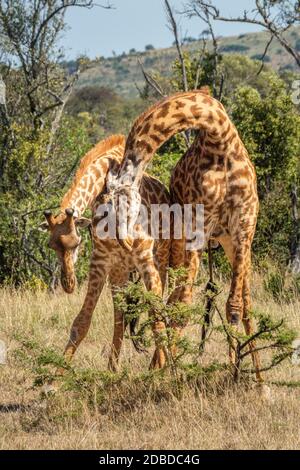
pixel 82 222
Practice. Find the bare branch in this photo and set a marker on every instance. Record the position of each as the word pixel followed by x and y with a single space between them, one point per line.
pixel 264 55
pixel 174 29
pixel 204 15
pixel 151 81
pixel 61 8
pixel 277 23
pixel 63 99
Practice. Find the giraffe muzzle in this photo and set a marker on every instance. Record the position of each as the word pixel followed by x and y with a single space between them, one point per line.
pixel 68 283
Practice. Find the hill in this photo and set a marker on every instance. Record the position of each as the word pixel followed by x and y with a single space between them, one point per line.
pixel 123 73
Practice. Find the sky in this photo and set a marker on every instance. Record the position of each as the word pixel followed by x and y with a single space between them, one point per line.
pixel 136 23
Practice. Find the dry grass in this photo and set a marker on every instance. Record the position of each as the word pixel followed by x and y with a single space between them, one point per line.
pixel 132 410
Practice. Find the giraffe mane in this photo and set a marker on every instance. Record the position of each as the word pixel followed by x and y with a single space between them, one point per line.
pixel 98 151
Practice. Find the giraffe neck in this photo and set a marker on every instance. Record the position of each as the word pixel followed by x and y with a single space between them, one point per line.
pixel 90 178
pixel 82 196
pixel 191 110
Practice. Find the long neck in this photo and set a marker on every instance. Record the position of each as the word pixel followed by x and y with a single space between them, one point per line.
pixel 191 110
pixel 83 194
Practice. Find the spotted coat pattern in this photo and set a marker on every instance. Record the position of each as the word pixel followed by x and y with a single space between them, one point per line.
pixel 216 172
pixel 149 257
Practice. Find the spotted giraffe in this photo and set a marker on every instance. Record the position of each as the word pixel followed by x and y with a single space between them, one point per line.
pixel 150 257
pixel 216 172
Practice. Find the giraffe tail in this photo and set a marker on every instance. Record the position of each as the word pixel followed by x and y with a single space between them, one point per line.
pixel 133 324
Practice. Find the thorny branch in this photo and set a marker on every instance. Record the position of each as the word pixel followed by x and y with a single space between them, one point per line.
pixel 174 28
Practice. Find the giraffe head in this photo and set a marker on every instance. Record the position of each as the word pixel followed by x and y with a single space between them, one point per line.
pixel 125 201
pixel 65 240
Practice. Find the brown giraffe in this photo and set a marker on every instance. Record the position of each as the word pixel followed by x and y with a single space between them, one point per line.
pixel 216 172
pixel 108 258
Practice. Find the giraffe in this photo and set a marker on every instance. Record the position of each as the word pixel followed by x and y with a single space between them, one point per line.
pixel 215 172
pixel 88 182
pixel 150 257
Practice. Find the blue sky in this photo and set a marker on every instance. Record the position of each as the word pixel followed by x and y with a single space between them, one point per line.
pixel 135 23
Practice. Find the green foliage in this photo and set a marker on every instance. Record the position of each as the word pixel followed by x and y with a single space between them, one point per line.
pixel 270 335
pixel 35 182
pixel 103 111
pixel 270 128
pixel 199 72
pixel 283 287
pixel 139 304
pixel 269 125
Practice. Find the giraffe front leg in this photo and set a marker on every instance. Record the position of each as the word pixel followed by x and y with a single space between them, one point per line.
pixel 153 283
pixel 248 322
pixel 118 336
pixel 234 306
pixel 81 324
pixel 183 291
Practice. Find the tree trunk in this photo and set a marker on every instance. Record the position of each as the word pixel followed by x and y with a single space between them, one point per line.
pixel 295 242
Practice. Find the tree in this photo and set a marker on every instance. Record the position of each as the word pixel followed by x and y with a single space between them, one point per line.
pixel 276 16
pixel 270 128
pixel 29 33
pixel 34 163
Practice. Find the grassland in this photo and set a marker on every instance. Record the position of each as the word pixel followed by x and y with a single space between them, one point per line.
pixel 124 75
pixel 132 409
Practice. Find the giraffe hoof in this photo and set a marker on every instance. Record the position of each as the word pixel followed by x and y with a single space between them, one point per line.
pixel 154 366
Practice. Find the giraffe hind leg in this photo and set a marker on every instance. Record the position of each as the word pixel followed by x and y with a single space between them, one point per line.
pixel 152 280
pixel 239 301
